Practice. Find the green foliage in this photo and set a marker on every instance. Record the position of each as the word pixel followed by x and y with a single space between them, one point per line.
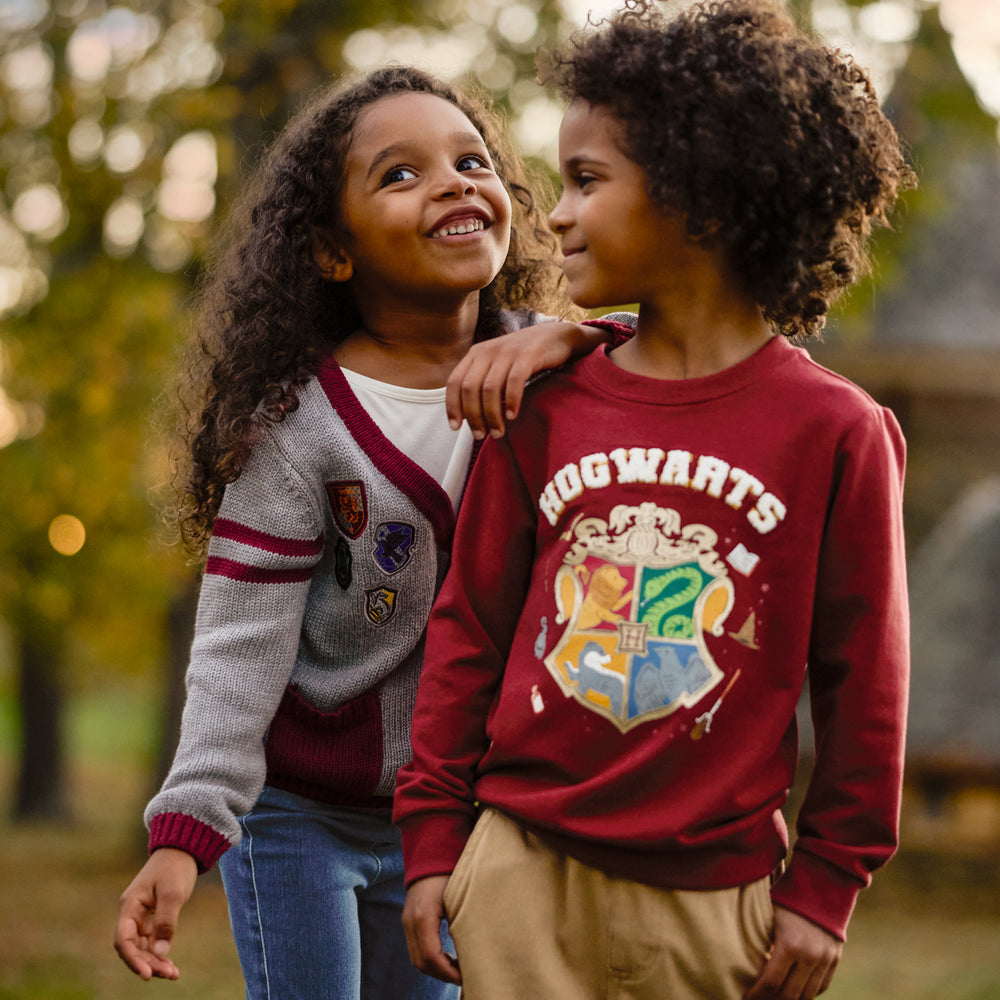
pixel 90 358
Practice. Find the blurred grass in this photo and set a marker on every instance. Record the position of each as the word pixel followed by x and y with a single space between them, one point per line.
pixel 926 930
pixel 59 886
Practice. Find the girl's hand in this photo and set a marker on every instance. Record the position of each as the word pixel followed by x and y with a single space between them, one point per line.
pixel 148 911
pixel 802 962
pixel 422 916
pixel 487 385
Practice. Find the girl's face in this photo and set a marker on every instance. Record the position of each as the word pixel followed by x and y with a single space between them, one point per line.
pixel 426 218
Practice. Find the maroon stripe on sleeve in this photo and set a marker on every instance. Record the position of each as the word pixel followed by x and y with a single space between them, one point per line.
pixel 255 574
pixel 236 532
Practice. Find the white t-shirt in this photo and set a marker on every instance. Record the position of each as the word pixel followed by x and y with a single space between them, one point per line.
pixel 416 422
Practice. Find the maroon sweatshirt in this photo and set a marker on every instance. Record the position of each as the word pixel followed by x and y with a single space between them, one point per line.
pixel 644 570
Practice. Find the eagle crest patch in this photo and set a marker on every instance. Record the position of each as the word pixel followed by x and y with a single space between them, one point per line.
pixel 393 545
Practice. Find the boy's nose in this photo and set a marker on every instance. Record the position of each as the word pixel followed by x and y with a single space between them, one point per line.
pixel 559 218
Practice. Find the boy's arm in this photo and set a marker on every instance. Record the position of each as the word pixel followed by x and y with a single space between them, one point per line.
pixel 487 385
pixel 422 916
pixel 468 639
pixel 858 683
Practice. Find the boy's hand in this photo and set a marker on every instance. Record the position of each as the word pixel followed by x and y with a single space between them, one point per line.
pixel 487 385
pixel 148 911
pixel 422 916
pixel 802 960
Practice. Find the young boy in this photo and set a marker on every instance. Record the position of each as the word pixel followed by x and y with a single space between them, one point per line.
pixel 664 541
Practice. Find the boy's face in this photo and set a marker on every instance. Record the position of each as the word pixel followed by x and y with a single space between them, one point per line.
pixel 618 246
pixel 426 215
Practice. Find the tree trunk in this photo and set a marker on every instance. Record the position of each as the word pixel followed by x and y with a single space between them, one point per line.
pixel 180 630
pixel 42 788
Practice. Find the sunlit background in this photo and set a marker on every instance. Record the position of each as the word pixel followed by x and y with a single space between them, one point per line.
pixel 125 130
pixel 132 58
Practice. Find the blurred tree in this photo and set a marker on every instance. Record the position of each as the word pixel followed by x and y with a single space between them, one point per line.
pixel 91 294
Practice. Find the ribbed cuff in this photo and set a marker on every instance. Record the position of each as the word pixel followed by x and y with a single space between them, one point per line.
pixel 817 891
pixel 185 833
pixel 620 332
pixel 433 844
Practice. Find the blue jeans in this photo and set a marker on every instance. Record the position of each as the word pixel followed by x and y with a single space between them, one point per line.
pixel 315 898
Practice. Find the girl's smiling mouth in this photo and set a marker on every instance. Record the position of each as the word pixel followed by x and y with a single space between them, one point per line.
pixel 460 223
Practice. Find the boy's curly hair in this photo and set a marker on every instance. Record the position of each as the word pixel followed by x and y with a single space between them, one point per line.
pixel 771 144
pixel 265 316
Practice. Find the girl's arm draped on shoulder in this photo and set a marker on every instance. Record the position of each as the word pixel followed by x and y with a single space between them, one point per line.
pixel 487 385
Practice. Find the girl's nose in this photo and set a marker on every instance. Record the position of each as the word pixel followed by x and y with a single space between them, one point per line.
pixel 456 184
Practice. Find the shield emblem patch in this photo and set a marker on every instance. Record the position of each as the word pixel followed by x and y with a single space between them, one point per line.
pixel 380 605
pixel 637 595
pixel 350 505
pixel 393 545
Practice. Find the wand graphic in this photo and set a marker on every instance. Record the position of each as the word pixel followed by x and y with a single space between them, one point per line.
pixel 703 724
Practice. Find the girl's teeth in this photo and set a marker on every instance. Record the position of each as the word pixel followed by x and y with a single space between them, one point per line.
pixel 461 229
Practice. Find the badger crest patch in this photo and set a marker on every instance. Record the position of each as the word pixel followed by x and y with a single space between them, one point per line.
pixel 393 545
pixel 350 505
pixel 636 595
pixel 380 605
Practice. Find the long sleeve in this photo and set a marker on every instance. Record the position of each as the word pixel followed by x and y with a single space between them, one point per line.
pixel 468 639
pixel 267 539
pixel 858 670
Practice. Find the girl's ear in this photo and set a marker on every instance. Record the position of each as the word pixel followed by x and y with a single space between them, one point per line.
pixel 332 259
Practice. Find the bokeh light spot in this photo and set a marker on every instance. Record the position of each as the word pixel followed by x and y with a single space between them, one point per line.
pixel 67 534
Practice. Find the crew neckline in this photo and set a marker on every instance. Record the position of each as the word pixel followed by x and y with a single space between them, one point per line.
pixel 601 369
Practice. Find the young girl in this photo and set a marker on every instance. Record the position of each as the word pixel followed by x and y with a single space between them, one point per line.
pixel 373 246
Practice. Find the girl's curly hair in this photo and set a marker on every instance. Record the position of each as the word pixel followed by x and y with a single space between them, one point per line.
pixel 265 316
pixel 769 143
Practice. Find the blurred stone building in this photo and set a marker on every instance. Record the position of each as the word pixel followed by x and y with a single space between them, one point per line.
pixel 928 345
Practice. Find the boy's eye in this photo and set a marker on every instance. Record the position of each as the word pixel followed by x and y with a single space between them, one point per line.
pixel 397 174
pixel 472 162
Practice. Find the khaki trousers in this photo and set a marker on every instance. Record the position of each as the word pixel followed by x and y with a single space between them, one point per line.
pixel 530 923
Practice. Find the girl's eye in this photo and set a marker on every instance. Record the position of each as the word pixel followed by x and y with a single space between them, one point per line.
pixel 582 180
pixel 472 162
pixel 397 174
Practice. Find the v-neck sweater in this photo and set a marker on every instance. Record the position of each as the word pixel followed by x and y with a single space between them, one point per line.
pixel 324 561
